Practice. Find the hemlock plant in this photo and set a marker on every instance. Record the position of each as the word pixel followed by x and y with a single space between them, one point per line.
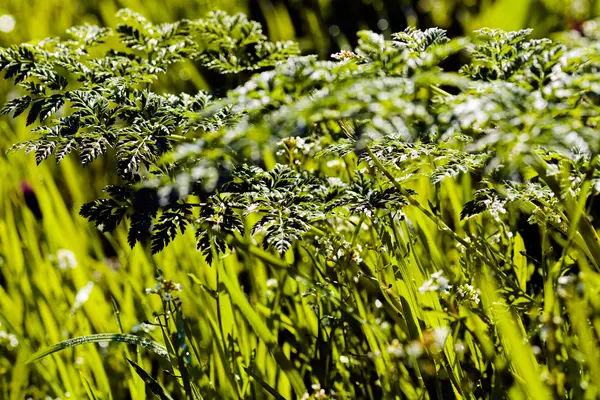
pixel 434 198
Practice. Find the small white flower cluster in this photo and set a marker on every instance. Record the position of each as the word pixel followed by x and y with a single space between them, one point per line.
pixel 272 285
pixel 344 55
pixel 461 247
pixel 438 282
pixel 164 288
pixel 396 349
pixel 143 327
pixel 8 340
pixel 296 146
pixel 466 292
pixel 496 208
pixel 335 164
pixel 347 249
pixel 548 326
pixel 318 393
pixel 337 252
pixel 563 284
pixel 433 341
pixel 64 259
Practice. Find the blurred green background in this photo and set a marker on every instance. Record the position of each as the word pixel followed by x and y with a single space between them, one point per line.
pixel 56 270
pixel 319 25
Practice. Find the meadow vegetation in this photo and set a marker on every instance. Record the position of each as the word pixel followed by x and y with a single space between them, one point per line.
pixel 415 217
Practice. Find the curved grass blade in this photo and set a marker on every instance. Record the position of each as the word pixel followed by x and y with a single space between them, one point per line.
pixel 145 343
pixel 150 381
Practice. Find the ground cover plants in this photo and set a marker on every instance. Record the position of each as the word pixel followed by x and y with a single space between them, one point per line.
pixel 415 218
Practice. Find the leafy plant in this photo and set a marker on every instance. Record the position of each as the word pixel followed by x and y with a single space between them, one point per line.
pixel 428 233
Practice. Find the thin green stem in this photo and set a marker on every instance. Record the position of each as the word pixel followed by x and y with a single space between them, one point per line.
pixel 442 225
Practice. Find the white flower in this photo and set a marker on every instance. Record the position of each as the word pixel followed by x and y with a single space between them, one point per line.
pixel 272 283
pixel 428 286
pixel 414 349
pixel 440 334
pixel 438 282
pixel 443 283
pixel 334 181
pixel 395 349
pixel 437 275
pixel 467 292
pixel 65 259
pixel 563 284
pixel 566 279
pixel 459 347
pixel 334 163
pixel 9 340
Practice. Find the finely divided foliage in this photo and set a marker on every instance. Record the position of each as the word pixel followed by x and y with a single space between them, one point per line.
pixel 353 168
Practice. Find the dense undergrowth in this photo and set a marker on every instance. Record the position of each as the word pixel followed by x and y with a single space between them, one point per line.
pixel 412 219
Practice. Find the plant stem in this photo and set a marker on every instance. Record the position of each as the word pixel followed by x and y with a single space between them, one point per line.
pixel 442 225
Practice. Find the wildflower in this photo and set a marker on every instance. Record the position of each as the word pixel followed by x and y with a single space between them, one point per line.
pixel 415 349
pixel 64 259
pixel 344 55
pixel 335 164
pixel 440 335
pixel 395 349
pixel 438 282
pixel 459 347
pixel 564 282
pixel 428 286
pixel 467 292
pixel 8 340
pixel 164 288
pixel 272 283
pixel 143 327
pixel 356 255
pixel 544 332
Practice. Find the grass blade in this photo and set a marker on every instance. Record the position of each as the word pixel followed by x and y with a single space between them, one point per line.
pixel 265 385
pixel 88 388
pixel 145 343
pixel 156 388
